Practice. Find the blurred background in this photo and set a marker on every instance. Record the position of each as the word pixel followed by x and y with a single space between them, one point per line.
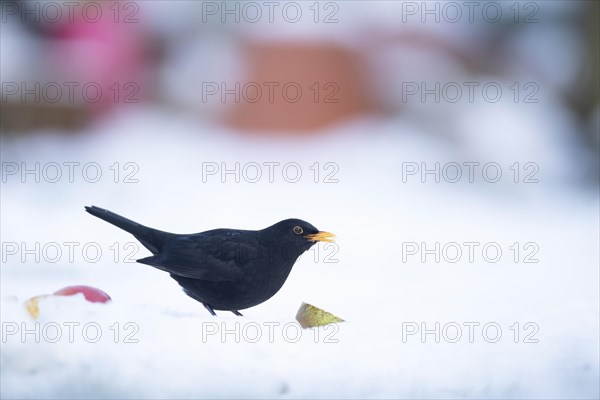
pixel 363 118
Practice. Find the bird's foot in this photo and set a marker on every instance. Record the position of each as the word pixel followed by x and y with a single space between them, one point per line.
pixel 236 312
pixel 210 310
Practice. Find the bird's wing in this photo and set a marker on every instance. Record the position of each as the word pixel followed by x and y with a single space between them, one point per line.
pixel 215 258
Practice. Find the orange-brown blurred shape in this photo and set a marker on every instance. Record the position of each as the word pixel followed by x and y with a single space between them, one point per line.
pixel 305 86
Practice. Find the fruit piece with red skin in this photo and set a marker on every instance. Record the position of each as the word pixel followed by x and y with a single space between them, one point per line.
pixel 91 294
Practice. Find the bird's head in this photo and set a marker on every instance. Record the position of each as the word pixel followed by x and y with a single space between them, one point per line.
pixel 298 233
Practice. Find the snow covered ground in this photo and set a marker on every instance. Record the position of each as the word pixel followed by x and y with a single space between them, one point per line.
pixel 505 329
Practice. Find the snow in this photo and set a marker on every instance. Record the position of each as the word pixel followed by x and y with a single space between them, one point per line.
pixel 175 349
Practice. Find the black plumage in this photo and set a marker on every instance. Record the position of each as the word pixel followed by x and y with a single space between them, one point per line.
pixel 225 269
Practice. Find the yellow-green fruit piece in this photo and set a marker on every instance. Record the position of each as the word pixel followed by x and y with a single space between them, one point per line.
pixel 32 305
pixel 309 316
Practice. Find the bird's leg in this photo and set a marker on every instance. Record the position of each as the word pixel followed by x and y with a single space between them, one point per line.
pixel 236 312
pixel 210 309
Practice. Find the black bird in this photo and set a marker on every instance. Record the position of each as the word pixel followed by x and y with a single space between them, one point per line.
pixel 225 269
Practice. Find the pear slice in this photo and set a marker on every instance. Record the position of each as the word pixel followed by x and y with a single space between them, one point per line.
pixel 310 316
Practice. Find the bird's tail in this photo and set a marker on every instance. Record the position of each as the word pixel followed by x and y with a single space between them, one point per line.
pixel 152 239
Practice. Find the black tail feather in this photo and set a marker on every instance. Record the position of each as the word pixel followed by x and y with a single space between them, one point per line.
pixel 152 239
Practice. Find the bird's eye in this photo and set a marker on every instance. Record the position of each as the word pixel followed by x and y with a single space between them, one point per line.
pixel 298 230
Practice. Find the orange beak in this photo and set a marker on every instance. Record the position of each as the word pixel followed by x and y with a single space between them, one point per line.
pixel 321 237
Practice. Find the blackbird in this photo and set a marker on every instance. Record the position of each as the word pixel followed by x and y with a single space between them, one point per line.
pixel 225 269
